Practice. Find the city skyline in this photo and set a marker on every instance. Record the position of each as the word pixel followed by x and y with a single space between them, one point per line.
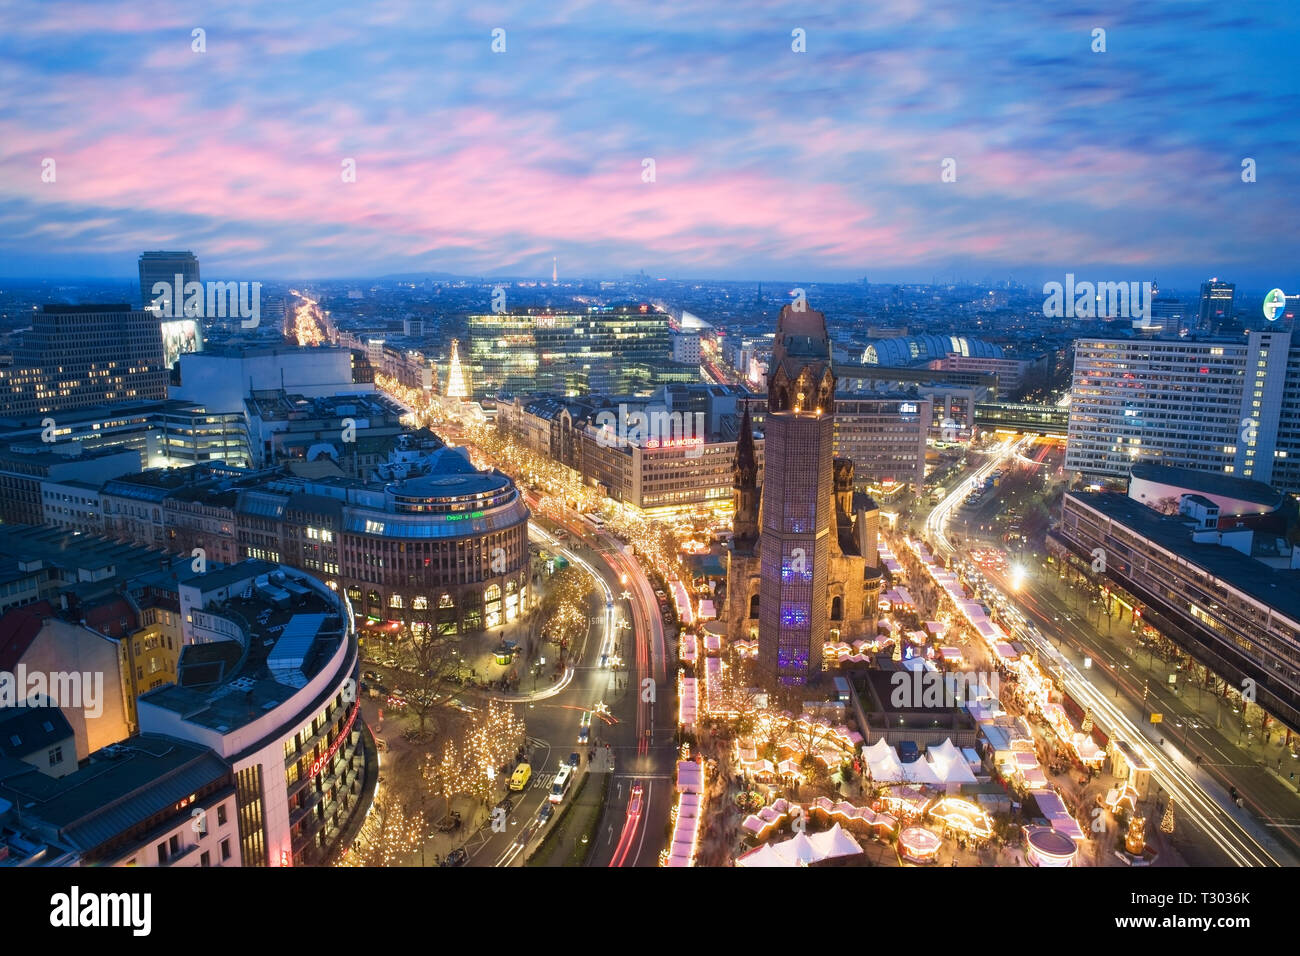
pixel 608 436
pixel 825 163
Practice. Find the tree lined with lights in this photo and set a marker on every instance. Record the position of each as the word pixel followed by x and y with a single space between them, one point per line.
pixel 389 834
pixel 470 765
pixel 565 606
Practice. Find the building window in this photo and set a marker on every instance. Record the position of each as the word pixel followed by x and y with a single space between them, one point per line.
pixel 204 860
pixel 221 814
pixel 252 830
pixel 56 756
pixel 225 849
pixel 174 843
pixel 162 853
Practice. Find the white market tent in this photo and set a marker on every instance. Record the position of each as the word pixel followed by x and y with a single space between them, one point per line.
pixel 887 768
pixel 949 765
pixel 802 849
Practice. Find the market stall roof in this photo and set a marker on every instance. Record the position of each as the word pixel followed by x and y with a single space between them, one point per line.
pixel 1034 779
pixel 682 598
pixel 983 710
pixel 999 737
pixel 690 777
pixel 803 849
pixel 1087 749
pixel 948 764
pixel 1052 807
pixel 877 751
pixel 835 842
pixel 688 709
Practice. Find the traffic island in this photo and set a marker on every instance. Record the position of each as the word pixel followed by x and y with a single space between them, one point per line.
pixel 562 845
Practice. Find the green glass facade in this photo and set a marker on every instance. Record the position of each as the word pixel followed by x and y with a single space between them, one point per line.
pixel 619 349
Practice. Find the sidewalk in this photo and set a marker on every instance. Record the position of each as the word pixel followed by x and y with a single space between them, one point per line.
pixel 1191 697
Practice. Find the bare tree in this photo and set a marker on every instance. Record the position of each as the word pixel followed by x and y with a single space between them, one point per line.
pixel 429 663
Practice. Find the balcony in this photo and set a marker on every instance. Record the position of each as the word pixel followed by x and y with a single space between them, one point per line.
pixel 295 816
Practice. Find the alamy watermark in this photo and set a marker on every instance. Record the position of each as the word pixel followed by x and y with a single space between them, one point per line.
pixel 1101 300
pixel 937 689
pixel 189 300
pixel 82 690
pixel 657 429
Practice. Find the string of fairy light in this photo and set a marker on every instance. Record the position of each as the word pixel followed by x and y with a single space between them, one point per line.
pixel 652 538
pixel 469 764
pixel 388 836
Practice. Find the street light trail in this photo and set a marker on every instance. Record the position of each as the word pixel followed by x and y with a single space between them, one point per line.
pixel 1219 825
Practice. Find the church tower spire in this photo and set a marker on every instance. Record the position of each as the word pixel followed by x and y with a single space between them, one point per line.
pixel 745 484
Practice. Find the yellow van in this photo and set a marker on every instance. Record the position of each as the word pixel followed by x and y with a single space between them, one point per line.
pixel 519 779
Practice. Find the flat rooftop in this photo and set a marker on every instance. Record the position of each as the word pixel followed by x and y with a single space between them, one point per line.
pixel 1210 482
pixel 225 684
pixel 73 552
pixel 1276 588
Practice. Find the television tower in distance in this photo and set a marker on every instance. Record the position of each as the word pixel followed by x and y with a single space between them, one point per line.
pixel 555 270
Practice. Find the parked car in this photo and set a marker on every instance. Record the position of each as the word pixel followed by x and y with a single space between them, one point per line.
pixel 574 759
pixel 457 857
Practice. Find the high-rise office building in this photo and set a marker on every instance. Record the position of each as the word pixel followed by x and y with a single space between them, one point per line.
pixel 606 350
pixel 885 437
pixel 75 356
pixel 1169 316
pixel 1230 406
pixel 1216 305
pixel 160 266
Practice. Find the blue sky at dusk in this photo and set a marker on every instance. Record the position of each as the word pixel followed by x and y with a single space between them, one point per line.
pixel 822 165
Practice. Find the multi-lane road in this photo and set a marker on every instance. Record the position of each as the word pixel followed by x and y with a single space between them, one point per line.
pixel 633 714
pixel 1233 834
